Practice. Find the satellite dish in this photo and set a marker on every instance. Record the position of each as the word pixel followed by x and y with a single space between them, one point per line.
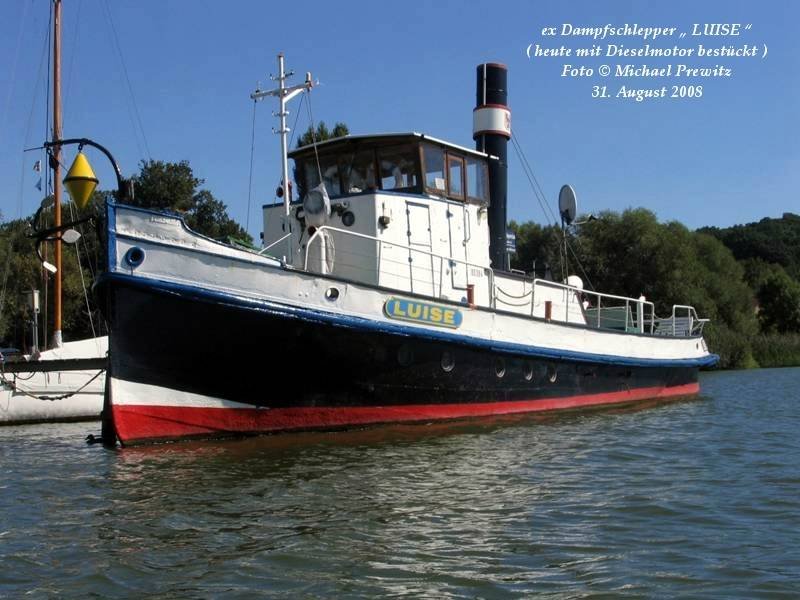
pixel 567 204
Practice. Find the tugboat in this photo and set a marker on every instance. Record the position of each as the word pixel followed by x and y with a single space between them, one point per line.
pixel 381 295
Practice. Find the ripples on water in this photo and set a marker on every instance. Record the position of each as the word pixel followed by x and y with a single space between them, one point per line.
pixel 696 498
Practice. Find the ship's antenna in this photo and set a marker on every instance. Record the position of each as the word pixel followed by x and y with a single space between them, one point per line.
pixel 284 94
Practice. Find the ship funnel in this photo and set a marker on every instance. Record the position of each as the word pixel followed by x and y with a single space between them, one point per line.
pixel 491 130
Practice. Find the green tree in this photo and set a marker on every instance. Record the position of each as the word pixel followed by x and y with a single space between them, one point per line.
pixel 770 240
pixel 23 272
pixel 161 185
pixel 321 134
pixel 173 186
pixel 209 216
pixel 779 304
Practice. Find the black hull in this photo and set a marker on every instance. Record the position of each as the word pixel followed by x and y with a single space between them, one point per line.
pixel 259 357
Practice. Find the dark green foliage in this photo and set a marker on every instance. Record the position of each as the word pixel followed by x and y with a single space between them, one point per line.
pixel 24 272
pixel 167 185
pixel 173 186
pixel 777 350
pixel 321 134
pixel 771 240
pixel 209 216
pixel 733 347
pixel 779 304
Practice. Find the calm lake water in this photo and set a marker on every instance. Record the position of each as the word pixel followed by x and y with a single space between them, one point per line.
pixel 696 499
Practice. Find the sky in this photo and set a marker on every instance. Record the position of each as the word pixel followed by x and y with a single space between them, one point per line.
pixel 170 80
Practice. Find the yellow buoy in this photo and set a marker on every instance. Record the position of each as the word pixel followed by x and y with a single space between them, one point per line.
pixel 80 181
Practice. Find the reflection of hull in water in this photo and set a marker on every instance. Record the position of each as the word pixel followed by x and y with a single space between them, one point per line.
pixel 208 367
pixel 23 404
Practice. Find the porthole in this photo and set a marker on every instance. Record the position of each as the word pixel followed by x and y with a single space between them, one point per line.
pixel 331 293
pixel 552 373
pixel 448 361
pixel 348 218
pixel 405 355
pixel 500 367
pixel 134 257
pixel 527 371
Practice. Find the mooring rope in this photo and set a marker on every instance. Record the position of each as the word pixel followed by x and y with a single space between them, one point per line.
pixel 15 388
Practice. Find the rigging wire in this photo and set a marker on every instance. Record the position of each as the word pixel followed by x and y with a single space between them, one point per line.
pixel 541 198
pixel 74 46
pixel 14 65
pixel 80 270
pixel 294 128
pixel 118 48
pixel 250 179
pixel 20 194
pixel 314 138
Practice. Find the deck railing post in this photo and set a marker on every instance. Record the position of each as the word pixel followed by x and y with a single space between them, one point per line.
pixel 599 308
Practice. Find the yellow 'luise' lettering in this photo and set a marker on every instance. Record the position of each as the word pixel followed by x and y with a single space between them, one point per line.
pixel 397 310
pixel 436 314
pixel 414 310
pixel 450 317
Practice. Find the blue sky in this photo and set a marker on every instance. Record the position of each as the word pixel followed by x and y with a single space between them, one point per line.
pixel 730 157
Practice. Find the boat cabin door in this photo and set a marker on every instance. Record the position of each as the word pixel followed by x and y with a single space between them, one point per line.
pixel 420 260
pixel 458 225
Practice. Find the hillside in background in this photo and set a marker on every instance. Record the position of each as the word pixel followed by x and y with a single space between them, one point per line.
pixel 775 241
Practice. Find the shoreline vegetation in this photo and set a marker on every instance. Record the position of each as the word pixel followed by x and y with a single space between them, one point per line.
pixel 745 278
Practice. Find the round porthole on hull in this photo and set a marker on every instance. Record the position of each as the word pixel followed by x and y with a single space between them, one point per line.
pixel 405 355
pixel 527 371
pixel 552 373
pixel 448 361
pixel 500 367
pixel 134 257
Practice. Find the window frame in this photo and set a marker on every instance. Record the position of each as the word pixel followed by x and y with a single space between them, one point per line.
pixel 417 187
pixel 456 159
pixel 483 165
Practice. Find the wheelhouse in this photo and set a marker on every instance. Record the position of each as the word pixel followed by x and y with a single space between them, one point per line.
pixel 410 163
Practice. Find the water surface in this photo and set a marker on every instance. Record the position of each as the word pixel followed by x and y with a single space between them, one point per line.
pixel 692 499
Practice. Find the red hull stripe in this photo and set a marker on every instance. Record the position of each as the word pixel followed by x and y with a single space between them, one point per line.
pixel 137 423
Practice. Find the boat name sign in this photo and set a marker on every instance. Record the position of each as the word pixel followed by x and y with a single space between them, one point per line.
pixel 422 312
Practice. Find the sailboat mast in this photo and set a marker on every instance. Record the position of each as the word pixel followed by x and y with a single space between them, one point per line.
pixel 57 168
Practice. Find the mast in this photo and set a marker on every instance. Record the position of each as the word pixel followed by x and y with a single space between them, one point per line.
pixel 284 94
pixel 56 164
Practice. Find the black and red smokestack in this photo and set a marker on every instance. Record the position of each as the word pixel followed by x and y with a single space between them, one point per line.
pixel 491 130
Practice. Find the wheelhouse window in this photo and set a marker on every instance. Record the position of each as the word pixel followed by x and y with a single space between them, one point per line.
pixel 398 167
pixel 329 168
pixel 455 176
pixel 414 166
pixel 434 169
pixel 477 180
pixel 358 171
pixel 450 173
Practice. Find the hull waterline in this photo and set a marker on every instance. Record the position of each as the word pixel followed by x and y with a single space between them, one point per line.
pixel 205 368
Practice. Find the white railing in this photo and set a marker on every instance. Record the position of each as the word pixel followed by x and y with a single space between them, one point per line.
pixel 442 261
pixel 584 307
pixel 683 322
pixel 603 311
